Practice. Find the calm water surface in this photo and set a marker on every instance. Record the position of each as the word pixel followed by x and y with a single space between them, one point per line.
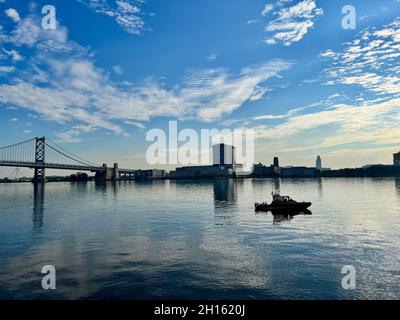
pixel 200 239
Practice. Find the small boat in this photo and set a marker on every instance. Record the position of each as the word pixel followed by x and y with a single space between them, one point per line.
pixel 282 204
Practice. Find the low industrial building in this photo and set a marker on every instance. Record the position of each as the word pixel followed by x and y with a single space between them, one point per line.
pixel 224 165
pixel 202 172
pixel 150 174
pixel 293 172
pixel 262 171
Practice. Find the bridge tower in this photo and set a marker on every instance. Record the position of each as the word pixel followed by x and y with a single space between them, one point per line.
pixel 40 147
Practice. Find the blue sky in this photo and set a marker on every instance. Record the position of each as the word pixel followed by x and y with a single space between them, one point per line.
pixel 112 70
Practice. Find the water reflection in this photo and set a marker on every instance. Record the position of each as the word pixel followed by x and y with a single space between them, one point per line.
pixel 284 217
pixel 224 190
pixel 79 187
pixel 224 200
pixel 320 187
pixel 38 206
pixel 397 185
pixel 267 185
pixel 100 186
pixel 161 239
pixel 277 186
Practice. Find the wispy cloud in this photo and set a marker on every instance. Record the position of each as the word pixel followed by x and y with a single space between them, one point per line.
pixel 6 69
pixel 212 93
pixel 286 115
pixel 63 84
pixel 127 13
pixel 13 54
pixel 13 15
pixel 136 124
pixel 370 61
pixel 267 9
pixel 118 70
pixel 371 123
pixel 212 57
pixel 292 22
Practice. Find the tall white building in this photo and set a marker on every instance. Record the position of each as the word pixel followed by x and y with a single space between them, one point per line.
pixel 318 163
pixel 223 154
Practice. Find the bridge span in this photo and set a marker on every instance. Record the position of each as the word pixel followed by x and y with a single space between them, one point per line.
pixel 42 153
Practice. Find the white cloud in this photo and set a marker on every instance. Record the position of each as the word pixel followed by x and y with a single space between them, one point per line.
pixel 13 14
pixel 282 2
pixel 369 61
pixel 118 70
pixel 127 13
pixel 214 93
pixel 372 122
pixel 288 114
pixel 15 56
pixel 291 23
pixel 252 21
pixel 136 124
pixel 267 9
pixel 30 34
pixel 212 57
pixel 6 69
pixel 63 84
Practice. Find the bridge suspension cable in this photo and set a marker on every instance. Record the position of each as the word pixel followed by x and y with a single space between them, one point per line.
pixel 25 152
pixel 58 152
pixel 69 154
pixel 19 152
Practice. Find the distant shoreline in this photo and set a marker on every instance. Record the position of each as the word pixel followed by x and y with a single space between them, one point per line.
pixel 205 178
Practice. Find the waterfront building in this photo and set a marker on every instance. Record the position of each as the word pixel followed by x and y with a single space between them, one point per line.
pixel 224 154
pixel 276 162
pixel 396 159
pixel 318 163
pixel 277 169
pixel 294 172
pixel 223 165
pixel 196 172
pixel 260 170
pixel 149 174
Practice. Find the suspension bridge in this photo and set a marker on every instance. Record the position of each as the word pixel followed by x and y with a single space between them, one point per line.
pixel 42 153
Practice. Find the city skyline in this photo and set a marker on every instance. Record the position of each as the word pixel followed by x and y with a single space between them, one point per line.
pixel 41 154
pixel 113 70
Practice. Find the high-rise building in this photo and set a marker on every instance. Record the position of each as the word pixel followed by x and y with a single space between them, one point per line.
pixel 277 169
pixel 396 159
pixel 318 163
pixel 276 162
pixel 223 154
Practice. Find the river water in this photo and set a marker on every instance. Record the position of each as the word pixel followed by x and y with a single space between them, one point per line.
pixel 200 240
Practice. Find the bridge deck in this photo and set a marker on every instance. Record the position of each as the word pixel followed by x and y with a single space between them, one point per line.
pixel 32 165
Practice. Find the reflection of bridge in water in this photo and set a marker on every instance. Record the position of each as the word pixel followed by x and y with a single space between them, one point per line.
pixel 42 153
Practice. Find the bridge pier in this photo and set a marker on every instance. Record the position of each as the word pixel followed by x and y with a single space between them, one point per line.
pixel 40 175
pixel 115 172
pixel 108 174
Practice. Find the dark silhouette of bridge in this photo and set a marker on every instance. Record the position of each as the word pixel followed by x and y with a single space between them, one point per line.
pixel 43 153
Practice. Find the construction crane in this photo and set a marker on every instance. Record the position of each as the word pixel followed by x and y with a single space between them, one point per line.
pixel 14 174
